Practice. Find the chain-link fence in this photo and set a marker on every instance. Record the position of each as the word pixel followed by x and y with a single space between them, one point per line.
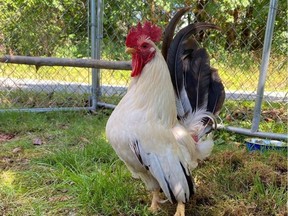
pixel 62 29
pixel 44 28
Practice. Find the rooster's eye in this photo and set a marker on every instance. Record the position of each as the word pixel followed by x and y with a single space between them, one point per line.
pixel 144 45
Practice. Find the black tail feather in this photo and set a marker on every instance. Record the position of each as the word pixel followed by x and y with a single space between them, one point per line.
pixel 177 49
pixel 170 29
pixel 216 93
pixel 196 84
pixel 197 78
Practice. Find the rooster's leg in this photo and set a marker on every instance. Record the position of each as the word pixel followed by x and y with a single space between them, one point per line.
pixel 180 209
pixel 155 201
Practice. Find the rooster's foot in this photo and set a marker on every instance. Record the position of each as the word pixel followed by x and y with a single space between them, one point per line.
pixel 155 202
pixel 180 209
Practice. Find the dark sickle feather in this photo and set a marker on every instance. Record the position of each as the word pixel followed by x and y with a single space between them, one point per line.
pixel 190 71
pixel 170 29
pixel 174 58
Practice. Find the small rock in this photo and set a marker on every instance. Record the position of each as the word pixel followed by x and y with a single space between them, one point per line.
pixel 37 141
pixel 17 150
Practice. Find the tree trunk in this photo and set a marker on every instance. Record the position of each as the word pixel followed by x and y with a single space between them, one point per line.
pixel 231 36
pixel 246 28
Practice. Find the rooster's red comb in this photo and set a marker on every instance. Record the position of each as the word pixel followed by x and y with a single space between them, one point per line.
pixel 148 30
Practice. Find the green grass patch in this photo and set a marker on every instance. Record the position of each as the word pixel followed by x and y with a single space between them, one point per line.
pixel 22 98
pixel 72 170
pixel 239 113
pixel 240 70
pixel 56 73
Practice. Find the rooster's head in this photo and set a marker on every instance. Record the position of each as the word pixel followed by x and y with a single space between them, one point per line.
pixel 140 43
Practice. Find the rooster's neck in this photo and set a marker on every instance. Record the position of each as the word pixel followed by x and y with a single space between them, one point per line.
pixel 153 91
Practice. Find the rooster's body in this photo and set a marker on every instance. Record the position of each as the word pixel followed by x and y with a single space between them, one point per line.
pixel 145 136
pixel 144 129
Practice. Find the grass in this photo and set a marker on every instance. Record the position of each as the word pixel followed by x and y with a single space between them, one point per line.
pixel 240 70
pixel 61 164
pixel 22 98
pixel 57 73
pixel 239 113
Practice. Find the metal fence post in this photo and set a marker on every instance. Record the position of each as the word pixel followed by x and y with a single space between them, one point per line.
pixel 264 64
pixel 96 36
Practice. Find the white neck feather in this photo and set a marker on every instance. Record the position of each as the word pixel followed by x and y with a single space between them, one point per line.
pixel 153 91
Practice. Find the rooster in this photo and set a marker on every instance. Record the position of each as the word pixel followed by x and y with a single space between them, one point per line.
pixel 154 129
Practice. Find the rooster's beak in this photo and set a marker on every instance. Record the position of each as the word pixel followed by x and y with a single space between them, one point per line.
pixel 130 50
